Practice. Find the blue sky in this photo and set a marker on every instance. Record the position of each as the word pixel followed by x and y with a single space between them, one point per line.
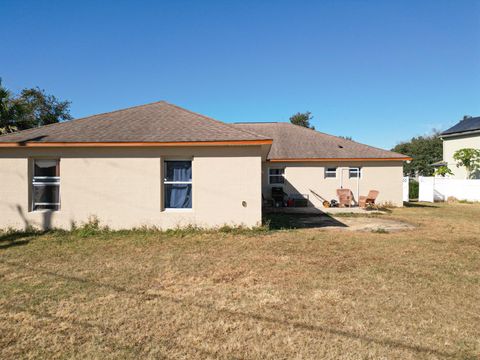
pixel 379 71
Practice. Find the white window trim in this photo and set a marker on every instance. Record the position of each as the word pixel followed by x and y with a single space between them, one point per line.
pixel 179 209
pixel 330 172
pixel 47 177
pixel 35 182
pixel 166 182
pixel 358 169
pixel 276 175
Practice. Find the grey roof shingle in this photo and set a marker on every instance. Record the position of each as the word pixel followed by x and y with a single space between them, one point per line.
pixel 156 122
pixel 468 124
pixel 297 142
pixel 161 122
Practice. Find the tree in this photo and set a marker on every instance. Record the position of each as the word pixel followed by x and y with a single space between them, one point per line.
pixel 302 119
pixel 43 109
pixel 470 159
pixel 9 111
pixel 346 137
pixel 425 150
pixel 31 108
pixel 443 171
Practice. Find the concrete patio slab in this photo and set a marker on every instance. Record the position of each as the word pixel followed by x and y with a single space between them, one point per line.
pixel 314 210
pixel 298 218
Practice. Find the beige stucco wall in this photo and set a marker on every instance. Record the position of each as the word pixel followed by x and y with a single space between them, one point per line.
pixel 301 178
pixel 452 144
pixel 123 187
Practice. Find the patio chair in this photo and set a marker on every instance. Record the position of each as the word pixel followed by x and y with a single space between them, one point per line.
pixel 369 200
pixel 278 196
pixel 266 203
pixel 345 197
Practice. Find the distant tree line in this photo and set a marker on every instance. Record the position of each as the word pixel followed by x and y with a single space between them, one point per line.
pixel 425 151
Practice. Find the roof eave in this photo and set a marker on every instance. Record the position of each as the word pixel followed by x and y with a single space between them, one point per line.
pixel 406 158
pixel 460 133
pixel 135 144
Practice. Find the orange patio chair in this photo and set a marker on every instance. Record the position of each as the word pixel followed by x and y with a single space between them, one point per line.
pixel 345 197
pixel 368 200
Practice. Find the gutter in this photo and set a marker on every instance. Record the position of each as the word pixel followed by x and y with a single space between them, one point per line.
pixel 406 158
pixel 441 136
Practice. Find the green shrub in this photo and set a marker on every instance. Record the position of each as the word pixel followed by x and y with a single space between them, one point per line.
pixel 91 227
pixel 380 231
pixel 413 189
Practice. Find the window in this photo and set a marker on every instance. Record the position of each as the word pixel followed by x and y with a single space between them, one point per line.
pixel 354 172
pixel 331 172
pixel 276 176
pixel 46 185
pixel 178 185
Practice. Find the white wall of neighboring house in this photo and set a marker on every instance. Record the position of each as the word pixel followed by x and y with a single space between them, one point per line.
pixel 458 186
pixel 452 144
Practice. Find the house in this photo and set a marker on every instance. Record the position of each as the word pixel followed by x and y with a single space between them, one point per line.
pixel 314 164
pixel 465 134
pixel 162 165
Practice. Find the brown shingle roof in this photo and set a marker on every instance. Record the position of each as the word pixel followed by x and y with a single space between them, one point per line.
pixel 156 122
pixel 292 142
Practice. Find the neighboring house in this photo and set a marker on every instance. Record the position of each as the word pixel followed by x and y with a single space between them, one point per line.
pixel 465 134
pixel 164 166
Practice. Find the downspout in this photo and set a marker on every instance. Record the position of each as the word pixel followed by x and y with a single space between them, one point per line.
pixel 358 184
pixel 341 178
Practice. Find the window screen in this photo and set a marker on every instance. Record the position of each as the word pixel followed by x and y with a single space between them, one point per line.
pixel 178 185
pixel 276 176
pixel 354 172
pixel 46 185
pixel 331 172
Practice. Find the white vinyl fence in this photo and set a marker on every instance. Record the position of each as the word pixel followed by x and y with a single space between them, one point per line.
pixel 440 189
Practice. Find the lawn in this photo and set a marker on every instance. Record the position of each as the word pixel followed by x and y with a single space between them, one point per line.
pixel 302 294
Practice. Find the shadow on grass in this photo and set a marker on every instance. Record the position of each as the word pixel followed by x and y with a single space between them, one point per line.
pixel 13 244
pixel 279 221
pixel 17 238
pixel 286 321
pixel 418 205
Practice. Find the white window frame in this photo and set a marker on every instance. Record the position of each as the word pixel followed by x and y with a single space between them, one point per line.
pixel 357 170
pixel 166 182
pixel 329 172
pixel 276 175
pixel 38 181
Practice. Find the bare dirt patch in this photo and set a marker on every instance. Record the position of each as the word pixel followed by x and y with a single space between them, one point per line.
pixel 374 224
pixel 344 221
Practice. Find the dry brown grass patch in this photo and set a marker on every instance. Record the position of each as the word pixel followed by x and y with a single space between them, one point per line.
pixel 276 295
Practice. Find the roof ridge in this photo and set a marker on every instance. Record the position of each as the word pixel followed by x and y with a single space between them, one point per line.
pixel 158 120
pixel 353 141
pixel 215 120
pixel 333 137
pixel 82 118
pixel 120 110
pixel 256 122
